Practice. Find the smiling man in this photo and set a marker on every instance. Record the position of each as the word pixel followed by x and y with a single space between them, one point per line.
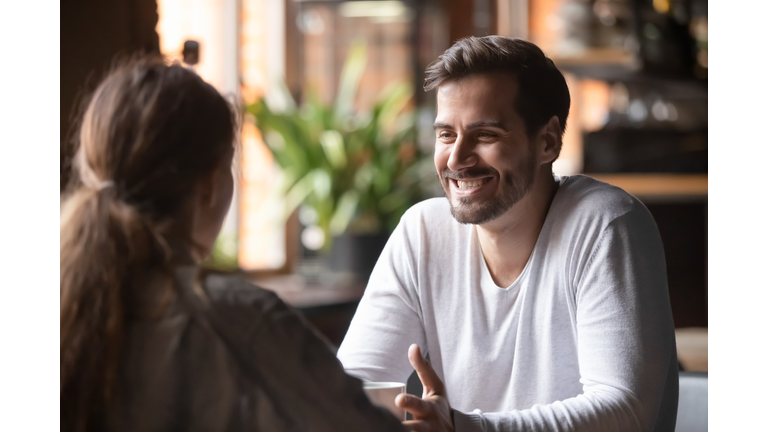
pixel 541 299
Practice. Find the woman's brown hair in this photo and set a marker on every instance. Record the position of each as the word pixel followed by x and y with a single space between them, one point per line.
pixel 150 133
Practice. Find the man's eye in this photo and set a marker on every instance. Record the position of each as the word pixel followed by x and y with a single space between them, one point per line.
pixel 444 134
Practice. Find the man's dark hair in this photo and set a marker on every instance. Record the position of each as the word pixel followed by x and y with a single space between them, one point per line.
pixel 542 93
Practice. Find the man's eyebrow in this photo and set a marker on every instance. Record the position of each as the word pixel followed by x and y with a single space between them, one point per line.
pixel 474 125
pixel 486 123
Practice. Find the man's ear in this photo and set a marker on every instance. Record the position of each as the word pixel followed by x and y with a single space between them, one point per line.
pixel 551 137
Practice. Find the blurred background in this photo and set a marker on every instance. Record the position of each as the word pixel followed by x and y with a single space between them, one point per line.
pixel 337 139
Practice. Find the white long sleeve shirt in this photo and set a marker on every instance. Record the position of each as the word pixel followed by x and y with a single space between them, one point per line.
pixel 583 340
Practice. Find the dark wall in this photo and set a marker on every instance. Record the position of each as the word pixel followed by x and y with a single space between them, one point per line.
pixel 93 32
pixel 683 230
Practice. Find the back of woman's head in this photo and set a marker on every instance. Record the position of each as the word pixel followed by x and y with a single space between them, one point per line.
pixel 150 133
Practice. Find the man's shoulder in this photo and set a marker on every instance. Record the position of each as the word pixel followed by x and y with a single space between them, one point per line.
pixel 586 197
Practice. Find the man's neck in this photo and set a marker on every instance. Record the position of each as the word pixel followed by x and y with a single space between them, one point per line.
pixel 507 242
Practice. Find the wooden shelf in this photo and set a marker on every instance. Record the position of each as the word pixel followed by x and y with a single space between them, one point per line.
pixel 601 64
pixel 660 187
pixel 692 344
pixel 597 56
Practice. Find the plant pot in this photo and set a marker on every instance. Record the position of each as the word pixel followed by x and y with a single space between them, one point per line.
pixel 356 254
pixel 350 260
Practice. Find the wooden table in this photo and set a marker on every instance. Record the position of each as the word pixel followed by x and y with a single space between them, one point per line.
pixel 297 292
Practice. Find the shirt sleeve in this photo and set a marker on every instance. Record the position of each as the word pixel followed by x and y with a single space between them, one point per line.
pixel 626 344
pixel 389 317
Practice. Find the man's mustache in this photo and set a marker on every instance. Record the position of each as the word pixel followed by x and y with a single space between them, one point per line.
pixel 473 172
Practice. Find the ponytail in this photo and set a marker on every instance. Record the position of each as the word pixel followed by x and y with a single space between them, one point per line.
pixel 103 242
pixel 150 133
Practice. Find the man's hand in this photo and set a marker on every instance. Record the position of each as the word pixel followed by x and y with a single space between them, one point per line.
pixel 431 413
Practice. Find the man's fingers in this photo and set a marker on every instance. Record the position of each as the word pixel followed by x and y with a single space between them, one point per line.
pixel 429 379
pixel 412 404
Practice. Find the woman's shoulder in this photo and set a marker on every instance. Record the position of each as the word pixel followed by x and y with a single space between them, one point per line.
pixel 260 329
pixel 236 290
pixel 240 303
pixel 279 352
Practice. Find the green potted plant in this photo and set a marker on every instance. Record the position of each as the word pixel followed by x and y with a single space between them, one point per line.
pixel 352 173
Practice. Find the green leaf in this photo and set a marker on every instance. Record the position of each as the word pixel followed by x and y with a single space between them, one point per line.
pixel 394 200
pixel 364 177
pixel 350 79
pixel 392 100
pixel 344 212
pixel 321 181
pixel 333 144
pixel 358 170
pixel 298 193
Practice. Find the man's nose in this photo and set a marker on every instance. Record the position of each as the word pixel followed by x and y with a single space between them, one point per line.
pixel 462 155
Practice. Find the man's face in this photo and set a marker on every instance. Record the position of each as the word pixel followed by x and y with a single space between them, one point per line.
pixel 483 156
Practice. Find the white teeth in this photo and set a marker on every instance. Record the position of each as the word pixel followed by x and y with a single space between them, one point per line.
pixel 463 185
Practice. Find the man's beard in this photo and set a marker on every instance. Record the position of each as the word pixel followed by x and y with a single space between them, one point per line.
pixel 517 185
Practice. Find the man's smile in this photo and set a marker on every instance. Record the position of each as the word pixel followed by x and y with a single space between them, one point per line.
pixel 468 186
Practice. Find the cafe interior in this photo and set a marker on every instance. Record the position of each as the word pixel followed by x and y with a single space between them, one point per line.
pixel 311 230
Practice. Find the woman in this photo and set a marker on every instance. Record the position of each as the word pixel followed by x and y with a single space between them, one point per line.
pixel 146 344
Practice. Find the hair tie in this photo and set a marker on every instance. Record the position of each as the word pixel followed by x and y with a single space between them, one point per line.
pixel 105 184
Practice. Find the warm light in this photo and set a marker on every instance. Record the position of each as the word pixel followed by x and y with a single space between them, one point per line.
pixel 213 25
pixel 254 218
pixel 546 27
pixel 253 56
pixel 595 104
pixel 698 28
pixel 571 160
pixel 661 6
pixel 201 21
pixel 262 227
pixel 554 22
pixel 262 235
pixel 701 58
pixel 619 98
